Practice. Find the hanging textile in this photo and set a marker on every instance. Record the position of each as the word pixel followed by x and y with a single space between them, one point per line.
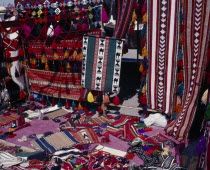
pixel 45 2
pixel 197 18
pixel 162 52
pixel 55 84
pixel 124 13
pixel 101 63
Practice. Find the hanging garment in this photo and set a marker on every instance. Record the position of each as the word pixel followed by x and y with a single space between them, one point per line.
pixel 162 52
pixel 197 20
pixel 124 13
pixel 101 63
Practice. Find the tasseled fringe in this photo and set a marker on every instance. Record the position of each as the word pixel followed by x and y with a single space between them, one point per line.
pixel 178 108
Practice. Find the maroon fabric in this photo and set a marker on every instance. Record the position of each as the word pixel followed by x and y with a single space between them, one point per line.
pixel 197 22
pixel 124 13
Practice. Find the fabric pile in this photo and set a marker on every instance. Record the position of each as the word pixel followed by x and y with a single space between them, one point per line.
pixel 80 139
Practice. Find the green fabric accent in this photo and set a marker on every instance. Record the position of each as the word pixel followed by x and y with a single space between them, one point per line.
pixel 141 125
pixel 27 154
pixel 110 64
pixel 90 59
pixel 207 112
pixel 156 153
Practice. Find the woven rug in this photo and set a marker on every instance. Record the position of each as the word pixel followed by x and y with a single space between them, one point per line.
pixel 57 113
pixel 101 63
pixel 100 120
pixel 162 52
pixel 197 18
pixel 55 84
pixel 8 118
pixel 64 139
pixel 86 136
pixel 55 142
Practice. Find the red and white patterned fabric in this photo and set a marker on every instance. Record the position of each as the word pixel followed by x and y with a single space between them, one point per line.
pixel 55 84
pixel 197 18
pixel 162 52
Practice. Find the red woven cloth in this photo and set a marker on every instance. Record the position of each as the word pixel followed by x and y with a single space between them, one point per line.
pixel 197 14
pixel 8 118
pixel 61 85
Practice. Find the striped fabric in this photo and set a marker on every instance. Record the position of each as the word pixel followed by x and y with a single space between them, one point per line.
pixel 124 12
pixel 101 63
pixel 55 141
pixel 157 139
pixel 55 84
pixel 65 139
pixel 129 131
pixel 100 120
pixel 121 121
pixel 197 19
pixel 117 132
pixel 57 113
pixel 7 160
pixel 162 52
pixel 86 136
pixel 8 118
pixel 64 154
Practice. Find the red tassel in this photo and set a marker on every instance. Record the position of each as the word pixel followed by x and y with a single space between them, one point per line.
pixel 143 99
pixel 30 51
pixel 31 98
pixel 180 76
pixel 144 73
pixel 85 109
pixel 53 102
pixel 67 105
pixel 99 110
pixel 130 155
pixel 180 63
pixel 144 9
pixel 116 100
pixel 33 66
pixel 136 7
pixel 43 102
pixel 131 30
pixel 182 27
pixel 62 69
pixel 143 42
pixel 22 95
pixel 54 45
pixel 64 44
